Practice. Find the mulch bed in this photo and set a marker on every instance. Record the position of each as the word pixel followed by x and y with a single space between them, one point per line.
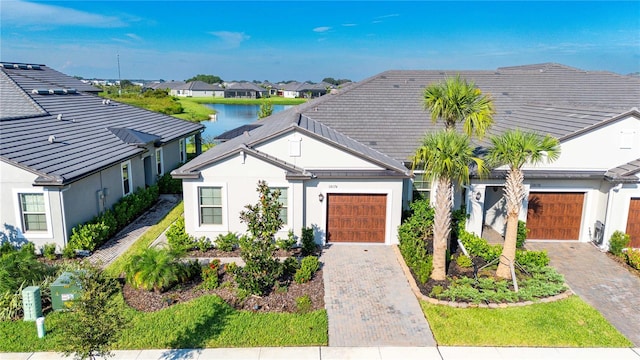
pixel 624 264
pixel 281 299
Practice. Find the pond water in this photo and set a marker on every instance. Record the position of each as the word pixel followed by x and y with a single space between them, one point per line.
pixel 230 117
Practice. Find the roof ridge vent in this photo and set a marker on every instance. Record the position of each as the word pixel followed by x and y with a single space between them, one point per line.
pixel 106 102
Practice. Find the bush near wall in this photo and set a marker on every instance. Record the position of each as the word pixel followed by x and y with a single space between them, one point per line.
pixel 415 236
pixel 90 235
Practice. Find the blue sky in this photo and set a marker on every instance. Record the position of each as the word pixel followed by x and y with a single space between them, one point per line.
pixel 311 40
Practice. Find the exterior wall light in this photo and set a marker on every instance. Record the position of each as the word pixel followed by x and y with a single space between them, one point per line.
pixel 478 195
pixel 320 197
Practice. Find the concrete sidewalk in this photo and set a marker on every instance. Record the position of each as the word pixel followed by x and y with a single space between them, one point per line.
pixel 359 353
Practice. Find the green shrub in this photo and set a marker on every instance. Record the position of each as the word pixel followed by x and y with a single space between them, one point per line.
pixel 49 251
pixel 309 246
pixel 231 267
pixel 90 235
pixel 415 236
pixel 288 243
pixel 618 241
pixel 203 243
pixel 290 266
pixel 308 267
pixel 528 258
pixel 477 246
pixel 22 267
pixel 157 269
pixel 303 304
pixel 227 242
pixel 521 236
pixel 633 258
pixel 168 185
pixel 210 276
pixel 464 261
pixel 177 238
pixel 69 252
pixel 6 247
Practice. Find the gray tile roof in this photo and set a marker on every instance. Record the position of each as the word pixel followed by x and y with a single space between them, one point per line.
pixel 386 111
pixel 280 123
pixel 244 86
pixel 629 172
pixel 198 86
pixel 81 125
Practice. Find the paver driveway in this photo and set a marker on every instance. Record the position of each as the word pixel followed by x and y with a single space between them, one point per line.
pixel 600 281
pixel 368 299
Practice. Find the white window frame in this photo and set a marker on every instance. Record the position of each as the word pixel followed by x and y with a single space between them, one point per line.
pixel 422 190
pixel 285 206
pixel 159 161
pixel 182 151
pixel 129 179
pixel 18 213
pixel 225 211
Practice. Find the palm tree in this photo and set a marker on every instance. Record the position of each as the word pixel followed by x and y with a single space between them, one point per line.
pixel 456 100
pixel 445 156
pixel 515 148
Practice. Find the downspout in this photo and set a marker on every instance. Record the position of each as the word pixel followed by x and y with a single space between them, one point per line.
pixel 64 218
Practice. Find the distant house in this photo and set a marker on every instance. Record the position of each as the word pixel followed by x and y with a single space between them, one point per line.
pixel 166 85
pixel 342 161
pixel 306 90
pixel 272 89
pixel 244 90
pixel 198 89
pixel 66 155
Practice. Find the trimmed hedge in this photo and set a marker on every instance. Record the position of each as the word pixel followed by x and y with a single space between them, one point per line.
pixel 415 236
pixel 90 235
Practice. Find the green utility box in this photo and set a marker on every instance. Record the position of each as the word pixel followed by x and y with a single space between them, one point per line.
pixel 31 303
pixel 65 289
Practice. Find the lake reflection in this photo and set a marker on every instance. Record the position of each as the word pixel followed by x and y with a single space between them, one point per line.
pixel 230 117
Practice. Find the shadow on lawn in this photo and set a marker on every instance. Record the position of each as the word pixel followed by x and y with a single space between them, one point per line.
pixel 195 335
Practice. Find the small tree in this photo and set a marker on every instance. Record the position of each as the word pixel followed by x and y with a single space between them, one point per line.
pixel 96 318
pixel 266 109
pixel 257 250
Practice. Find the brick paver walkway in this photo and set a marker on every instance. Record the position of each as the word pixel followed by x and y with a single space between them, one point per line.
pixel 368 299
pixel 108 252
pixel 599 281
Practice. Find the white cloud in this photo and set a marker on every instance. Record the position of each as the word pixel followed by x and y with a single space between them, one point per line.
pixel 22 13
pixel 321 29
pixel 230 38
pixel 349 25
pixel 134 37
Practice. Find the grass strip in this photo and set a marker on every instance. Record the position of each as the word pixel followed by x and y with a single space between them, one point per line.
pixel 205 322
pixel 194 110
pixel 276 100
pixel 566 323
pixel 117 267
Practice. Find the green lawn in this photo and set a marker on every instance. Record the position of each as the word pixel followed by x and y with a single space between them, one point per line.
pixel 194 110
pixel 204 322
pixel 565 323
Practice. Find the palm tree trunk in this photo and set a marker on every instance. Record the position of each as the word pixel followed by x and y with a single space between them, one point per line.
pixel 514 193
pixel 441 227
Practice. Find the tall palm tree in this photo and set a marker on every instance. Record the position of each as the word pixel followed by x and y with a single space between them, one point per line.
pixel 457 100
pixel 445 156
pixel 515 148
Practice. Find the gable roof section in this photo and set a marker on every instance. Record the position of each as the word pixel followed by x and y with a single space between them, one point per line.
pixel 15 103
pixel 82 125
pixel 284 122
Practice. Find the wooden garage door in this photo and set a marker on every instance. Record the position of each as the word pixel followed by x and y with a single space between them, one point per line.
pixel 554 216
pixel 633 222
pixel 356 217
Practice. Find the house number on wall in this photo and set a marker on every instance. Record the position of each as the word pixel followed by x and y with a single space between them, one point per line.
pixel 333 186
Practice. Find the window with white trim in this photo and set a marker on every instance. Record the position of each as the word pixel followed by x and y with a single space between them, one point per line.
pixel 183 151
pixel 159 163
pixel 283 199
pixel 126 177
pixel 210 205
pixel 32 212
pixel 422 185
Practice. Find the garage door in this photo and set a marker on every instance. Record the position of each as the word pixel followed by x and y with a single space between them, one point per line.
pixel 554 216
pixel 633 222
pixel 356 217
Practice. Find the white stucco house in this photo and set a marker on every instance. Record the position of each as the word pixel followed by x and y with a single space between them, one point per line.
pixel 343 160
pixel 67 155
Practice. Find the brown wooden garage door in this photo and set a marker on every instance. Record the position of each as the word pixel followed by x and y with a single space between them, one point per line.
pixel 356 217
pixel 633 222
pixel 554 216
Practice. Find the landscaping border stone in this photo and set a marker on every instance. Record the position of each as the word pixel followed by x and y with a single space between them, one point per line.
pixel 464 305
